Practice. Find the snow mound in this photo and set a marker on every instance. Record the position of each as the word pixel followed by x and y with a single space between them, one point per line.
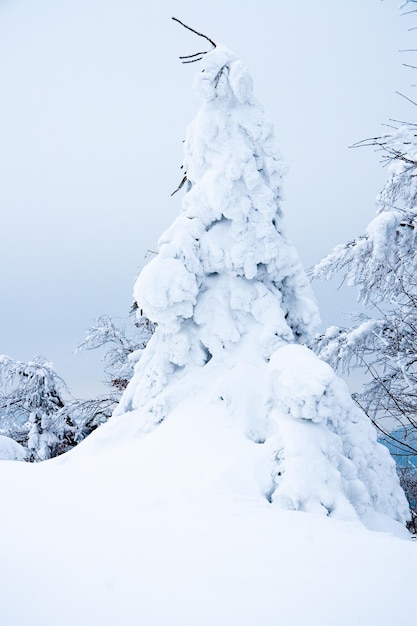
pixel 85 528
pixel 331 460
pixel 284 431
pixel 10 450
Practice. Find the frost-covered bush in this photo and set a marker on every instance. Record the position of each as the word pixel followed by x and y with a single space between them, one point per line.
pixel 31 403
pixel 122 350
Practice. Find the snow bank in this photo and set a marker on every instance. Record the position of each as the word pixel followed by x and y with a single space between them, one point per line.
pixel 284 431
pixel 168 530
pixel 10 450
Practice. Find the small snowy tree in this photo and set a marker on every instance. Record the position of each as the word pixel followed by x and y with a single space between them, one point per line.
pixel 231 302
pixel 40 415
pixel 122 353
pixel 31 407
pixel 122 350
pixel 37 410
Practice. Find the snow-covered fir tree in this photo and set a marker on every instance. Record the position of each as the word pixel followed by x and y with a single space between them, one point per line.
pixel 233 308
pixel 225 269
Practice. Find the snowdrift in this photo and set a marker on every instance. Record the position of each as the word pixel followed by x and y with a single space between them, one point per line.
pixel 170 529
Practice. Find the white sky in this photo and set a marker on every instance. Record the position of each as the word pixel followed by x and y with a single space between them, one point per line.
pixel 93 109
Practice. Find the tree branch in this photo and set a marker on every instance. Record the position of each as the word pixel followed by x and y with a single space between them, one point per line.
pixel 406 97
pixel 196 32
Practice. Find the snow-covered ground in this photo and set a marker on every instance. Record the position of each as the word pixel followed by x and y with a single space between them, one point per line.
pixel 170 528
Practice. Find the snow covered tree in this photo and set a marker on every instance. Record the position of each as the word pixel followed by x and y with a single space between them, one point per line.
pixel 122 353
pixel 225 370
pixel 38 412
pixel 122 350
pixel 382 265
pixel 225 266
pixel 31 407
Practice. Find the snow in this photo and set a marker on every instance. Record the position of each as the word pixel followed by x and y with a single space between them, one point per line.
pixel 166 529
pixel 10 450
pixel 290 432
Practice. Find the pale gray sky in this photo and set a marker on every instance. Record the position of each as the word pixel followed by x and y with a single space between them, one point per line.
pixel 93 109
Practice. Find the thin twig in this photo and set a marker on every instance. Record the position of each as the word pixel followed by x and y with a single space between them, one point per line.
pixel 194 31
pixel 364 142
pixel 180 185
pixel 403 122
pixel 193 60
pixel 406 97
pixel 190 56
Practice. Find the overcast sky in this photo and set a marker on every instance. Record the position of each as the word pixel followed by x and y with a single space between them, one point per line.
pixel 93 109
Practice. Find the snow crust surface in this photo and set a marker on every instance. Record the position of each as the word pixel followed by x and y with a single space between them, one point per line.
pixel 168 530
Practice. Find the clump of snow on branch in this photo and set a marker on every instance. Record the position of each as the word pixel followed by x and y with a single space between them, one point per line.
pixel 330 460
